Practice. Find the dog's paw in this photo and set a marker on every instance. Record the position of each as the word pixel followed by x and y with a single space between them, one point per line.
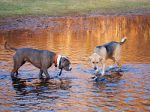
pixel 58 77
pixel 93 77
pixel 100 79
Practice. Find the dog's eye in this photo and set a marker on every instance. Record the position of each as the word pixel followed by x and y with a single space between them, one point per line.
pixel 95 62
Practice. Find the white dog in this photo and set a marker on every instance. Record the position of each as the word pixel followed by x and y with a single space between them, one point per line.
pixel 101 53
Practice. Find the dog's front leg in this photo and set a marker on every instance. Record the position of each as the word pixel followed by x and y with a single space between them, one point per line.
pixel 60 72
pixel 40 74
pixel 103 69
pixel 46 73
pixel 97 70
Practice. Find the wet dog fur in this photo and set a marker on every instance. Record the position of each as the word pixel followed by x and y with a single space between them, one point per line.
pixel 111 50
pixel 41 59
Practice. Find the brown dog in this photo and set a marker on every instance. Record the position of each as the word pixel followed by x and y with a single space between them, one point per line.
pixel 41 59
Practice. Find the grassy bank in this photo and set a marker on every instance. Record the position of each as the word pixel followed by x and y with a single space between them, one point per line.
pixel 67 7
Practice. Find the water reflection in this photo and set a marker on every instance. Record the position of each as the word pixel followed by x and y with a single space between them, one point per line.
pixel 33 93
pixel 70 34
pixel 128 90
pixel 33 85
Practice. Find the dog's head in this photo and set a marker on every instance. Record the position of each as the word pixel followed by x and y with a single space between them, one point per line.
pixel 65 63
pixel 95 59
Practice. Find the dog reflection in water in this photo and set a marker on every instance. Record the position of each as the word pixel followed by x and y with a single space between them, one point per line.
pixel 36 85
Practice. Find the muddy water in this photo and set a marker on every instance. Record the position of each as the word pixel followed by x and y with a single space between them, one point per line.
pixel 128 90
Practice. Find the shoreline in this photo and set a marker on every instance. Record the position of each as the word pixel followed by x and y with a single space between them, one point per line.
pixel 43 22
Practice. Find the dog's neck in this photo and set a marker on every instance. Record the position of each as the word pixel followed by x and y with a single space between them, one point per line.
pixel 57 60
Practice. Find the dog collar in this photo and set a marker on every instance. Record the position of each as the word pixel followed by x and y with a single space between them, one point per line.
pixel 57 60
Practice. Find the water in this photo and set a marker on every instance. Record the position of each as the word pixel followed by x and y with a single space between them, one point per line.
pixel 128 90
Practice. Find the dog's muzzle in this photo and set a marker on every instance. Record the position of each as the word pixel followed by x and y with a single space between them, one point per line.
pixel 95 68
pixel 70 68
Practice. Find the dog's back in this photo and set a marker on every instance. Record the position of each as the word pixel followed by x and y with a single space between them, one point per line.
pixel 28 52
pixel 107 49
pixel 34 55
pixel 110 49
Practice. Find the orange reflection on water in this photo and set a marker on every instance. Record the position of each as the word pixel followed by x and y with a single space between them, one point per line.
pixel 79 35
pixel 76 37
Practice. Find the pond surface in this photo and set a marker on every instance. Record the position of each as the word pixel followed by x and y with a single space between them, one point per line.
pixel 128 90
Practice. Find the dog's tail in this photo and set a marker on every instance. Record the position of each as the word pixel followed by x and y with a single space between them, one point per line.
pixel 123 40
pixel 8 47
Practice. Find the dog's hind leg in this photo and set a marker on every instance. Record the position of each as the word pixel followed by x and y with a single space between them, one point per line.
pixel 116 56
pixel 17 64
pixel 116 61
pixel 15 70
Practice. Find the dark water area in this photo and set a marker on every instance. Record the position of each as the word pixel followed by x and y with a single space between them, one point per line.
pixel 128 90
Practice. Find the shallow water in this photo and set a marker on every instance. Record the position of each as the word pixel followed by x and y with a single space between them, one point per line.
pixel 127 90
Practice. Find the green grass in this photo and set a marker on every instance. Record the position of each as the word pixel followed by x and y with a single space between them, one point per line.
pixel 67 7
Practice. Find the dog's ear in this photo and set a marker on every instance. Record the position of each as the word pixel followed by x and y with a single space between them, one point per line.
pixel 100 58
pixel 89 59
pixel 66 57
